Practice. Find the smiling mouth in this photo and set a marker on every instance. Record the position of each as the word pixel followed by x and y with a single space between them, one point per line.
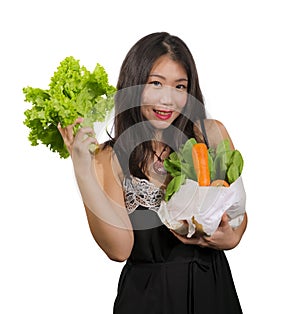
pixel 162 114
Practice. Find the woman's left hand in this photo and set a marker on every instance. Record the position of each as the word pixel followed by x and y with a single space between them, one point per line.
pixel 224 238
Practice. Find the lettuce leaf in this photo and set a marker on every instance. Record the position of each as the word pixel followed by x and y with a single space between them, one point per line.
pixel 73 91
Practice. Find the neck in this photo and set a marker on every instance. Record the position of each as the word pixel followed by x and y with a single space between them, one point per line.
pixel 158 146
pixel 158 136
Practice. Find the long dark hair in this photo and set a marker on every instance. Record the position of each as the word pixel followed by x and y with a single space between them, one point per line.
pixel 132 133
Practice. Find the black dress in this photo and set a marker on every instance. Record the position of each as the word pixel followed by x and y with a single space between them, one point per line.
pixel 165 276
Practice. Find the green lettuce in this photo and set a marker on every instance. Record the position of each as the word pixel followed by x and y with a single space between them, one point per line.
pixel 73 92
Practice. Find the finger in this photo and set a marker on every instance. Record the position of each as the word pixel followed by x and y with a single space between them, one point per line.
pixel 195 241
pixel 90 140
pixel 224 220
pixel 69 127
pixel 62 133
pixel 178 236
pixel 70 131
pixel 60 129
pixel 68 140
pixel 77 121
pixel 66 132
pixel 81 148
pixel 83 132
pixel 203 242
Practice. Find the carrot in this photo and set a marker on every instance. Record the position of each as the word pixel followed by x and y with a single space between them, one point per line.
pixel 200 161
pixel 220 182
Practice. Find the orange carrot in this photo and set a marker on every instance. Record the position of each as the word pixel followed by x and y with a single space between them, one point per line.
pixel 220 182
pixel 200 161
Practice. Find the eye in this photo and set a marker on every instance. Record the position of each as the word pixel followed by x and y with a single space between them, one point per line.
pixel 155 83
pixel 181 87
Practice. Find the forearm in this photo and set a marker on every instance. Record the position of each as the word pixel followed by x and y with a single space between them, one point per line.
pixel 224 238
pixel 115 242
pixel 239 231
pixel 101 192
pixel 108 220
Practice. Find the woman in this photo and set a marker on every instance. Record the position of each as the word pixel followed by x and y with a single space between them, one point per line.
pixel 158 106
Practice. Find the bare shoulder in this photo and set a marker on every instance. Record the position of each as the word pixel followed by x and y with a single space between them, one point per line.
pixel 107 165
pixel 216 132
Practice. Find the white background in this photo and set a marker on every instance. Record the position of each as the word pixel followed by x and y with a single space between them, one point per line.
pixel 247 53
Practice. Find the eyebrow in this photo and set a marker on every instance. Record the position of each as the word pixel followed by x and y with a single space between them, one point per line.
pixel 162 77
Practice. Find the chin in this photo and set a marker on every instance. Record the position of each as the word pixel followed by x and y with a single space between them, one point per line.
pixel 160 125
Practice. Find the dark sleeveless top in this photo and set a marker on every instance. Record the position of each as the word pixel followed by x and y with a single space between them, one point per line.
pixel 164 276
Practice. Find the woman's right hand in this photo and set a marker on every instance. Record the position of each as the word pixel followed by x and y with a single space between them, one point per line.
pixel 78 144
pixel 68 134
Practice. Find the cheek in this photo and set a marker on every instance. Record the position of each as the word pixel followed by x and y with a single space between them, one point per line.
pixel 153 97
pixel 180 101
pixel 146 111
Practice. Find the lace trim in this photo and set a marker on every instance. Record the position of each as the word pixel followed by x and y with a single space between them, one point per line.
pixel 141 192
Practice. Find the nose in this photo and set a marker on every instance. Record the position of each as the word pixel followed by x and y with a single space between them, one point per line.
pixel 166 97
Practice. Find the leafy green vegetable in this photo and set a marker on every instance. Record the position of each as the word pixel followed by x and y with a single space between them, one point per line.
pixel 174 185
pixel 221 164
pixel 227 164
pixel 212 169
pixel 180 166
pixel 223 146
pixel 73 91
pixel 224 163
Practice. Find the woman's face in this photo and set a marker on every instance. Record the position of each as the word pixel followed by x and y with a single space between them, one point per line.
pixel 165 93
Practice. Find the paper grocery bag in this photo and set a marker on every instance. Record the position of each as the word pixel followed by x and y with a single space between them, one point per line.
pixel 206 204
